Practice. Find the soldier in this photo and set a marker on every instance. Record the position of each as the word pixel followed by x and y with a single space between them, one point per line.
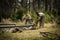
pixel 40 19
pixel 28 18
pixel 14 30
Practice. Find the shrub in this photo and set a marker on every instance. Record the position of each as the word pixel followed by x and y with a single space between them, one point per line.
pixel 19 13
pixel 49 17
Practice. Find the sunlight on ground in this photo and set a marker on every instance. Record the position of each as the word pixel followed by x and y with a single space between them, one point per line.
pixel 28 34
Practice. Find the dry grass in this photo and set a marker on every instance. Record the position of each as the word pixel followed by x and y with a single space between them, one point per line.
pixel 28 34
pixel 9 21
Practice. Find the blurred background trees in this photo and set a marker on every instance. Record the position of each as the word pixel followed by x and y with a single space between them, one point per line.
pixel 17 8
pixel 6 8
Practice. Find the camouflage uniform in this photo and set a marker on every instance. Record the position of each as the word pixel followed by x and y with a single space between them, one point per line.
pixel 28 19
pixel 40 19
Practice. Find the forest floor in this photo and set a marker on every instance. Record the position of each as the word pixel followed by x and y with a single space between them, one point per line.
pixel 31 34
